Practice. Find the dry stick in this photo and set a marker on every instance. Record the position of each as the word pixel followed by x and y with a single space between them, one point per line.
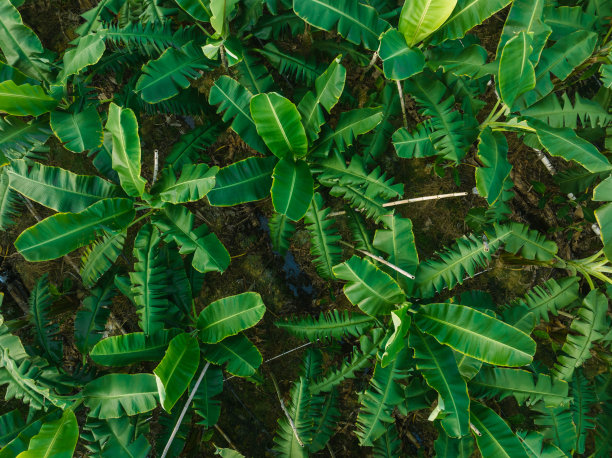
pixel 413 200
pixel 227 439
pixel 184 411
pixel 155 164
pixel 71 263
pixel 379 259
pixel 282 404
pixel 401 97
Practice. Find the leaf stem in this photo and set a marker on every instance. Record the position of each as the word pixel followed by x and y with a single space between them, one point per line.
pixel 184 411
pixel 147 214
pixel 401 97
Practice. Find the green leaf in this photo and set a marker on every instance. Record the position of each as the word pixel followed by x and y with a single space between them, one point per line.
pixel 149 281
pixel 389 444
pixel 589 326
pixel 25 99
pixel 220 9
pixel 550 297
pixel 459 61
pixel 19 137
pixel 116 437
pixel 195 181
pixel 476 334
pixel 369 288
pixel 234 100
pixel 526 387
pixel 281 231
pixel 279 123
pixel 450 132
pixel 584 399
pixel 177 368
pixel 293 66
pixel 438 366
pixel 331 325
pixel 88 51
pixel 516 73
pixel 253 74
pixel 518 238
pixel 399 60
pixel 242 357
pixel 46 332
pixel 90 320
pixel 123 126
pixel 323 238
pixel 565 143
pixel 229 316
pixel 100 256
pixel 20 46
pixel 333 170
pixel 164 77
pixel 329 87
pixel 56 438
pixel 78 131
pixel 176 224
pixel 557 424
pixel 397 240
pixel 496 438
pixel 464 257
pixel 397 340
pixel 378 401
pixel 188 149
pixel 466 15
pixel 368 346
pixel 59 189
pixel 446 446
pixel 62 233
pixel 526 16
pixel 355 21
pixel 197 9
pixel 131 348
pixel 604 219
pixel 115 395
pixel 292 188
pixel 204 403
pixel 588 112
pixel 560 59
pixel 420 18
pixel 243 181
pixel 350 125
pixel 534 445
pixel 493 154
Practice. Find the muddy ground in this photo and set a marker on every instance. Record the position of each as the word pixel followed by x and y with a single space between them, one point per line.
pixel 290 285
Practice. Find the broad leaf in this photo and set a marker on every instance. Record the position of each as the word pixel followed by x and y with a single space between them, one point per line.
pixel 126 349
pixel 116 395
pixel 369 288
pixel 355 21
pixel 516 74
pixel 229 316
pixel 56 438
pixel 292 188
pixel 279 123
pixel 476 334
pixel 177 368
pixel 420 18
pixel 62 233
pixel 495 438
pixel 59 189
pixel 123 126
pixel 243 181
pixel 399 60
pixel 25 99
pixel 78 131
pixel 194 182
pixel 493 154
pixel 240 355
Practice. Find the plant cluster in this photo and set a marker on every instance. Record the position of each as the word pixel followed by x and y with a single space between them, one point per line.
pixel 314 145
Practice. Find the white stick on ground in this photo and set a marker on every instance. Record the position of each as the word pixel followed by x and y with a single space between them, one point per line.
pixel 155 164
pixel 401 97
pixel 413 200
pixel 184 411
